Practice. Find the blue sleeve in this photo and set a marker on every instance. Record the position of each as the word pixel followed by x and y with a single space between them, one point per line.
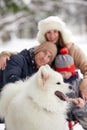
pixel 13 70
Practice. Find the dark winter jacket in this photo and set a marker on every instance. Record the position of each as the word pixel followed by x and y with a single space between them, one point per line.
pixel 18 67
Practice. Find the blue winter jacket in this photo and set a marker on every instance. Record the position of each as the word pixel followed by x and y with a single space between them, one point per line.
pixel 18 67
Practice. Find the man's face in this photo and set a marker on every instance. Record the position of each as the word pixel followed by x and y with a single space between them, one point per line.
pixel 43 58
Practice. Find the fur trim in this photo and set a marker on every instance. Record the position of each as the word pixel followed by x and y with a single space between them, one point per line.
pixel 53 22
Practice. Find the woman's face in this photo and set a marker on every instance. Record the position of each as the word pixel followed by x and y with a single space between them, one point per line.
pixel 52 36
pixel 43 58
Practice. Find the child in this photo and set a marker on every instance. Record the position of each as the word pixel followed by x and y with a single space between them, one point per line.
pixel 65 65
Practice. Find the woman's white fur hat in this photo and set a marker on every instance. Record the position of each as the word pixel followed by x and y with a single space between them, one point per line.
pixel 53 22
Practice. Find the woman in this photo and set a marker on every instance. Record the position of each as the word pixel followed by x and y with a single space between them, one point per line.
pixel 53 29
pixel 27 63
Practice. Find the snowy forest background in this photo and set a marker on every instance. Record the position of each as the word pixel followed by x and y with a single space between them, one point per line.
pixel 20 17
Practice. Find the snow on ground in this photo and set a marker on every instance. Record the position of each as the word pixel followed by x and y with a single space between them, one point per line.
pixel 20 44
pixel 77 127
pixel 2 126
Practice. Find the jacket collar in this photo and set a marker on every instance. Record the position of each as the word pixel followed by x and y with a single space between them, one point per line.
pixel 72 78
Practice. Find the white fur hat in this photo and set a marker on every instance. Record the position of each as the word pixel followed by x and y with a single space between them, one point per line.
pixel 53 22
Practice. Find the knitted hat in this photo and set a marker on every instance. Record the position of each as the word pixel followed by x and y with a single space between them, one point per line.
pixel 64 62
pixel 47 46
pixel 53 22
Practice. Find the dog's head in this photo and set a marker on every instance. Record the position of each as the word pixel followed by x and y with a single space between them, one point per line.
pixel 51 82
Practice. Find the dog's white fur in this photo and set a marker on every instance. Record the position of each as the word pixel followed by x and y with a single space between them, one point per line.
pixel 32 104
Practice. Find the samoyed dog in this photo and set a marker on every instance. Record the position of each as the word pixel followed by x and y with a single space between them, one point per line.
pixel 38 103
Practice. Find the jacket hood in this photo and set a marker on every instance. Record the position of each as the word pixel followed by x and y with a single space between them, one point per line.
pixel 53 22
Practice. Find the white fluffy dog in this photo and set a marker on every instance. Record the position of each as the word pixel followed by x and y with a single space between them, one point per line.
pixel 38 103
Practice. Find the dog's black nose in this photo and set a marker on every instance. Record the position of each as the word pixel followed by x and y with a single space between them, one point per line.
pixel 70 87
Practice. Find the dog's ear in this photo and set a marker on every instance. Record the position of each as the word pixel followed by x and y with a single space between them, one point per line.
pixel 47 66
pixel 43 75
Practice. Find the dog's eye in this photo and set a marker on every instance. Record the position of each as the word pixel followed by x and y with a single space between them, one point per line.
pixel 58 83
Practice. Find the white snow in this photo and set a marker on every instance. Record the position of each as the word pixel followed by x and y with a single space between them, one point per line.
pixel 2 126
